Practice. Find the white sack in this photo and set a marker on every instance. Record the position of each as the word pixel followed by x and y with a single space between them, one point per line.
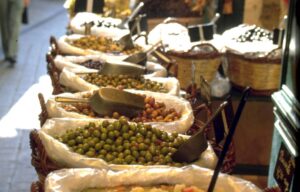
pixel 71 64
pixel 67 48
pixel 175 37
pixel 230 36
pixel 73 81
pixel 77 25
pixel 70 180
pixel 62 155
pixel 179 104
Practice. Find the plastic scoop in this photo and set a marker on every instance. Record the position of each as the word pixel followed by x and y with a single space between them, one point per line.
pixel 141 57
pixel 190 150
pixel 108 100
pixel 124 22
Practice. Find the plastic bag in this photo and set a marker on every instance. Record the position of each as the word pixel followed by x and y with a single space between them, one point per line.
pixel 73 81
pixel 68 180
pixel 66 48
pixel 220 86
pixel 103 26
pixel 71 64
pixel 62 155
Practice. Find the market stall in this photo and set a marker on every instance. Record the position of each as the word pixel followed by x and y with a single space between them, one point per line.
pixel 122 108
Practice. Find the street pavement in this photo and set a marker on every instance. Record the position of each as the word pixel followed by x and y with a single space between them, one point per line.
pixel 19 86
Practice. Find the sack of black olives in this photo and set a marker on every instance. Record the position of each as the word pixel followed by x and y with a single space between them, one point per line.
pixel 113 144
pixel 92 63
pixel 249 39
pixel 92 81
pixel 95 45
pixel 165 112
pixel 101 26
pixel 99 180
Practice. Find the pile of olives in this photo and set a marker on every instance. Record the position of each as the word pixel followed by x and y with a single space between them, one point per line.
pixel 124 82
pixel 119 142
pixel 255 34
pixel 154 111
pixel 92 64
pixel 102 44
pixel 82 108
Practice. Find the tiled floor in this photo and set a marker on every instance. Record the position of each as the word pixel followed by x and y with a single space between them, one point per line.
pixel 19 106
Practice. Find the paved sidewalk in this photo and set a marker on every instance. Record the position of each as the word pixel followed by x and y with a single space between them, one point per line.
pixel 19 106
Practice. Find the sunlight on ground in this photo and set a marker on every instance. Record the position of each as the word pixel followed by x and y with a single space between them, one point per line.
pixel 24 113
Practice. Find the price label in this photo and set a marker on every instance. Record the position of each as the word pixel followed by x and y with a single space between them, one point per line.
pixel 94 6
pixel 284 169
pixel 201 32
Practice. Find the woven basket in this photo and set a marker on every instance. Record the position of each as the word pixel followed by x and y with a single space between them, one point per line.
pixel 44 165
pixel 206 64
pixel 37 187
pixel 261 74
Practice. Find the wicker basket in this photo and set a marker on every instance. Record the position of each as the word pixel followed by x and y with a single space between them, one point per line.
pixel 44 165
pixel 40 159
pixel 206 64
pixel 37 187
pixel 261 74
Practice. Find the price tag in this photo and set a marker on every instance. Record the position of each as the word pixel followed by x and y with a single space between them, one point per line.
pixel 88 27
pixel 139 24
pixel 94 6
pixel 201 32
pixel 284 169
pixel 278 35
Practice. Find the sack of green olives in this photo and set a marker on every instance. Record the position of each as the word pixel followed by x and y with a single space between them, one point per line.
pixel 92 63
pixel 94 45
pixel 92 81
pixel 67 180
pixel 113 144
pixel 165 112
pixel 103 26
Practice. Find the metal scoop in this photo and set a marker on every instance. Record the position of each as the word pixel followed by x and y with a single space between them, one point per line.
pixel 121 68
pixel 115 67
pixel 125 22
pixel 141 57
pixel 108 100
pixel 126 41
pixel 190 150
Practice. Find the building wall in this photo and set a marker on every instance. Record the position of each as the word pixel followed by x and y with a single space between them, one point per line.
pixel 266 13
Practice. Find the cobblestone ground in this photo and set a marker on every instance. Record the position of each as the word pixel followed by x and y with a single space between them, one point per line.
pixel 19 106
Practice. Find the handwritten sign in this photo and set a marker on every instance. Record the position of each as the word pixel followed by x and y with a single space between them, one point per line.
pixel 284 169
